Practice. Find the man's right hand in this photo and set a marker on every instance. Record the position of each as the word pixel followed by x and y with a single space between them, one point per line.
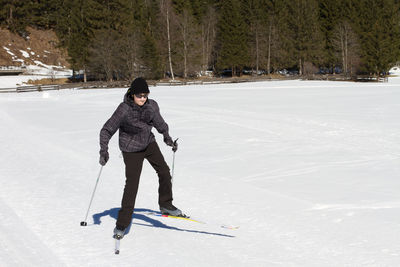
pixel 103 158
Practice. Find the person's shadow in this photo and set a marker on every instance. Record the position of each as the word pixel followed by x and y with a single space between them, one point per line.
pixel 150 222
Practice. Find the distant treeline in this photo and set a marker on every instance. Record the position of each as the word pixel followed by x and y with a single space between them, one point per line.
pixel 123 39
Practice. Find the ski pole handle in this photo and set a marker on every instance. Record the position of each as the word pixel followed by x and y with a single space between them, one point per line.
pixel 175 145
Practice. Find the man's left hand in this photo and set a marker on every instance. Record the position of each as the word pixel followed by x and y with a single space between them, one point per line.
pixel 173 144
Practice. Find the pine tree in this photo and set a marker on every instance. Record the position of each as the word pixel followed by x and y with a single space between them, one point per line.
pixel 187 44
pixel 331 13
pixel 232 37
pixel 112 26
pixel 208 26
pixel 80 19
pixel 304 33
pixel 377 25
pixel 147 18
pixel 264 21
pixel 15 15
pixel 143 40
pixel 256 13
pixel 43 13
pixel 153 59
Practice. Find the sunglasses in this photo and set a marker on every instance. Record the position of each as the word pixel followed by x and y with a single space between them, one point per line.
pixel 141 95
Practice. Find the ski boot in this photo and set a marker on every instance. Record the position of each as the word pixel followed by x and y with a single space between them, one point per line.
pixel 171 210
pixel 118 233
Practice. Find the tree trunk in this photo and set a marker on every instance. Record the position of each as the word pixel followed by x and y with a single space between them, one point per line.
pixel 185 56
pixel 269 50
pixel 169 48
pixel 346 54
pixel 209 44
pixel 300 67
pixel 203 39
pixel 11 14
pixel 343 52
pixel 257 51
pixel 185 35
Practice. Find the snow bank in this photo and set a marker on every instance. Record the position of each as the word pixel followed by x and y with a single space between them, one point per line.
pixel 395 71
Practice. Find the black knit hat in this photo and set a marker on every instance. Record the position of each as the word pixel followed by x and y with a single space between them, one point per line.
pixel 139 86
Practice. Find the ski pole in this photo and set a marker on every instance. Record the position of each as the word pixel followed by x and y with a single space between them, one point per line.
pixel 84 223
pixel 172 172
pixel 173 162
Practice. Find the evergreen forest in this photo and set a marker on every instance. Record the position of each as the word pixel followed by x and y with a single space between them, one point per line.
pixel 124 39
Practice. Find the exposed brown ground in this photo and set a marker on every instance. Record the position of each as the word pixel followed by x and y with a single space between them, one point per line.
pixel 41 45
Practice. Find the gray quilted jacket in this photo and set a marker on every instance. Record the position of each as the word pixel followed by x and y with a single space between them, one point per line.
pixel 134 124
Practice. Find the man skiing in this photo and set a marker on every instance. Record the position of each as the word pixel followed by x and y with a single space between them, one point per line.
pixel 135 118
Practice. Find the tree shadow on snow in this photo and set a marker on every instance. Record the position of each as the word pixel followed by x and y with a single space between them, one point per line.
pixel 151 222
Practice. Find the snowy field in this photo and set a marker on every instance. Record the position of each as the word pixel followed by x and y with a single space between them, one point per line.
pixel 308 170
pixel 22 80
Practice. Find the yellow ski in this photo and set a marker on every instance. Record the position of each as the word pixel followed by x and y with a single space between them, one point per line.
pixel 181 218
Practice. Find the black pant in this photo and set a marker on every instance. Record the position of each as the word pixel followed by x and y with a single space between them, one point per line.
pixel 133 168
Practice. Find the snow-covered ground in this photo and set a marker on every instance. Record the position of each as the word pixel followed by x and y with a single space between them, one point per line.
pixel 309 170
pixel 395 71
pixel 13 81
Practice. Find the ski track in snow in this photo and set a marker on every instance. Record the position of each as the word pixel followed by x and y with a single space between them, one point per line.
pixel 308 170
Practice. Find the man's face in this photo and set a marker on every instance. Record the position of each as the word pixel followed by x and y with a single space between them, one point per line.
pixel 140 99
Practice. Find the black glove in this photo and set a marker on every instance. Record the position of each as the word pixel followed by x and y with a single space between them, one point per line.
pixel 174 144
pixel 103 157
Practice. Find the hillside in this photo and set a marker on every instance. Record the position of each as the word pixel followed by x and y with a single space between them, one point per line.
pixel 40 49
